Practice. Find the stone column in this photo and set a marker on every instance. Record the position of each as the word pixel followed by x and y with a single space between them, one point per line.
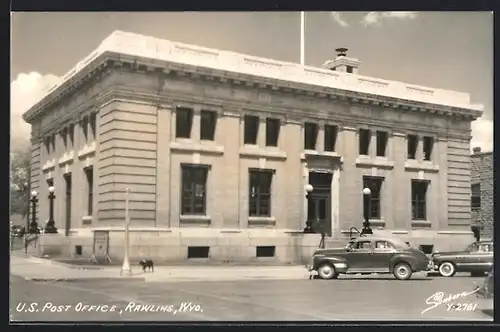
pixel 320 142
pixel 373 143
pixel 401 192
pixel 195 130
pixel 419 156
pixel 164 118
pixel 261 135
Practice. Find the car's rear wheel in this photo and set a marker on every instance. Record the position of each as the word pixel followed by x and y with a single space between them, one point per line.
pixel 327 271
pixel 402 271
pixel 447 269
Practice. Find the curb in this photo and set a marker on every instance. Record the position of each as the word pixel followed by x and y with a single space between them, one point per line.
pixel 84 279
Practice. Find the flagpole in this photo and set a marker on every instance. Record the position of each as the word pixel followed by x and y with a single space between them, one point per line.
pixel 302 36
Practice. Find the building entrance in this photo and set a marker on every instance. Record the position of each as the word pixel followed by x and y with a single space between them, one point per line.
pixel 319 209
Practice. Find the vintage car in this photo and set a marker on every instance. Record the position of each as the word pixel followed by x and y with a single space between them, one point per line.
pixel 370 254
pixel 477 259
pixel 17 231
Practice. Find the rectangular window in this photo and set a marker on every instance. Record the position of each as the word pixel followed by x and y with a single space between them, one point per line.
pixel 428 145
pixel 194 183
pixel 93 122
pixel 183 122
pixel 260 193
pixel 64 136
pixel 71 135
pixel 330 137
pixel 412 146
pixel 310 135
pixel 84 125
pixel 251 129
pixel 374 200
pixel 475 198
pixel 382 138
pixel 419 199
pixel 208 125
pixel 272 131
pixel 89 174
pixel 47 142
pixel 365 136
pixel 349 69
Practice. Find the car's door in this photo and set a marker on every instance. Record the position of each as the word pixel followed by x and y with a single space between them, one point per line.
pixel 381 257
pixel 360 255
pixel 482 259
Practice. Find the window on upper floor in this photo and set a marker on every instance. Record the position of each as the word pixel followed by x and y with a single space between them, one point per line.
pixel 194 189
pixel 349 69
pixel 71 134
pixel 412 141
pixel 382 139
pixel 428 146
pixel 183 122
pixel 419 199
pixel 272 131
pixel 331 133
pixel 260 193
pixel 475 197
pixel 364 141
pixel 93 123
pixel 208 123
pixel 251 130
pixel 84 125
pixel 64 137
pixel 310 135
pixel 373 203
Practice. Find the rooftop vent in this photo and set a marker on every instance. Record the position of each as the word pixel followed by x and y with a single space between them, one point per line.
pixel 342 62
pixel 477 149
pixel 341 51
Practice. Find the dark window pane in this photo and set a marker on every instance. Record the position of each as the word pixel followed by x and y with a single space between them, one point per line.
pixel 364 142
pixel 272 131
pixel 183 122
pixel 260 193
pixel 251 129
pixel 193 197
pixel 207 125
pixel 330 137
pixel 310 135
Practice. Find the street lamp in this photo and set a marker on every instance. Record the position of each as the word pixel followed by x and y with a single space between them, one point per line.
pixel 367 202
pixel 126 270
pixel 308 188
pixel 33 225
pixel 50 228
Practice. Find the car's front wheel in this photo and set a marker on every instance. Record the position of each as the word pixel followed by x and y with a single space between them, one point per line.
pixel 402 271
pixel 447 269
pixel 327 271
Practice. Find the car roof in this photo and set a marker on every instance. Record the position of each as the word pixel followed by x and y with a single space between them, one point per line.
pixel 371 237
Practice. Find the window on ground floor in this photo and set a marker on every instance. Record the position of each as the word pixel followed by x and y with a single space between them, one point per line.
pixel 194 193
pixel 260 193
pixel 373 205
pixel 419 199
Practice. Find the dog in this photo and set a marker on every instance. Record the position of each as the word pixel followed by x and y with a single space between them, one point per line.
pixel 147 264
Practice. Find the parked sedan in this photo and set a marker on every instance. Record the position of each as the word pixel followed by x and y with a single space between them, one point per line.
pixel 370 254
pixel 477 259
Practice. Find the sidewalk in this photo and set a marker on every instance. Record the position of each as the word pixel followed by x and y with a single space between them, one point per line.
pixel 39 269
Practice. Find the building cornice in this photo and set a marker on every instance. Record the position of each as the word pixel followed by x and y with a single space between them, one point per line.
pixel 151 54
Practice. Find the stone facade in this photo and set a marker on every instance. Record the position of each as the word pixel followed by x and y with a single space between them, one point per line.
pixel 482 175
pixel 121 106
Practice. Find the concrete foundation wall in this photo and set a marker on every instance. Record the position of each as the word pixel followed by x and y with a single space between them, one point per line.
pixel 171 246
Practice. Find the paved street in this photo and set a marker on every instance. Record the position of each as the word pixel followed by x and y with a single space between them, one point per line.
pixel 353 298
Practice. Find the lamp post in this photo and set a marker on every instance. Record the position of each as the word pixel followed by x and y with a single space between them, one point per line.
pixel 50 228
pixel 367 207
pixel 33 225
pixel 126 270
pixel 308 188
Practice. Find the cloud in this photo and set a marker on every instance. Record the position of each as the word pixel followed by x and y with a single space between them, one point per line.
pixel 337 17
pixel 25 91
pixel 374 18
pixel 482 134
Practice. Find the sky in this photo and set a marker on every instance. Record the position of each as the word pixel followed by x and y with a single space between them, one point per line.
pixel 446 50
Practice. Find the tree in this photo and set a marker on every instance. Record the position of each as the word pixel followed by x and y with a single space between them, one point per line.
pixel 19 182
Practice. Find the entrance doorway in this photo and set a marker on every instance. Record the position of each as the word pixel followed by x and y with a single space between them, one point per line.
pixel 319 209
pixel 67 201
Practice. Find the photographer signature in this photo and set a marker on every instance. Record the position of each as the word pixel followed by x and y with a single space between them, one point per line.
pixel 437 299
